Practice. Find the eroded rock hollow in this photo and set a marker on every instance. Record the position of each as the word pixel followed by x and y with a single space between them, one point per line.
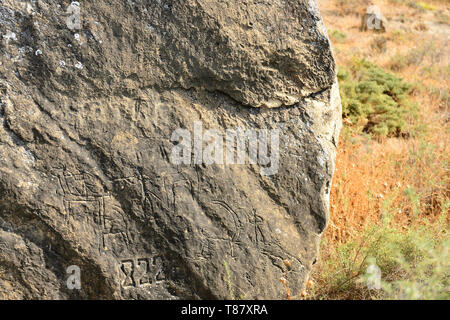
pixel 88 110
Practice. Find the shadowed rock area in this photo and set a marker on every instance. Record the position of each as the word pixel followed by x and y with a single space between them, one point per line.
pixel 86 120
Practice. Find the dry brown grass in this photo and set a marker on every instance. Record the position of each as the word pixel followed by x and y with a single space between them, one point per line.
pixel 409 173
pixel 368 171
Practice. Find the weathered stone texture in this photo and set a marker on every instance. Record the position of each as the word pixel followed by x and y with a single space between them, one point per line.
pixel 85 127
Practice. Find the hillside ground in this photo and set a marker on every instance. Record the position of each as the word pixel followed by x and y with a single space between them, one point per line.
pixel 390 195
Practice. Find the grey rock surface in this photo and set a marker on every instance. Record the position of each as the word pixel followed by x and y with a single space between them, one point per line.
pixel 86 119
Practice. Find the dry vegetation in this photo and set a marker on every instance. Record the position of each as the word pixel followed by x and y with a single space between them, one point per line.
pixel 391 194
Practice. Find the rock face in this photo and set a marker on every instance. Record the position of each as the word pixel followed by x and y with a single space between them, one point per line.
pixel 87 120
pixel 374 20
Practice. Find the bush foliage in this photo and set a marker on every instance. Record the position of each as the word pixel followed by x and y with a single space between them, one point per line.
pixel 414 264
pixel 375 100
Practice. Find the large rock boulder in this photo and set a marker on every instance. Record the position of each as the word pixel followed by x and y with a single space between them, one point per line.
pixel 90 112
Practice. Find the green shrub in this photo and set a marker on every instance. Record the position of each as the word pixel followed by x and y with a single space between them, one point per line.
pixel 374 98
pixel 414 264
pixel 427 278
